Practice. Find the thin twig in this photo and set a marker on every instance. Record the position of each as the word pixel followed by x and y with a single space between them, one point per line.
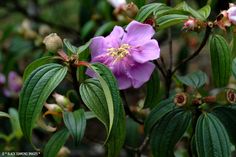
pixel 160 68
pixel 203 43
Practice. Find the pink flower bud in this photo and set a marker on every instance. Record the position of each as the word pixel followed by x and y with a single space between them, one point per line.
pixel 190 24
pixel 222 20
pixel 232 13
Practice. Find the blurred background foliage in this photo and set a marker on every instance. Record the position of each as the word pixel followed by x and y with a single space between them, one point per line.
pixel 23 26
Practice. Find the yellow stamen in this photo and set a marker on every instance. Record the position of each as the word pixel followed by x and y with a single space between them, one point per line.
pixel 119 53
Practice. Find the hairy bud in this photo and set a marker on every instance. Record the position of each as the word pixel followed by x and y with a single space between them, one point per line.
pixel 53 42
pixel 130 9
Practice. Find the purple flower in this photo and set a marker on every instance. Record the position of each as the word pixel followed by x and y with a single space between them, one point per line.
pixel 232 14
pixel 14 85
pixel 127 53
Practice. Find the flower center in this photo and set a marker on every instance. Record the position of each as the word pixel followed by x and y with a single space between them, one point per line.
pixel 119 53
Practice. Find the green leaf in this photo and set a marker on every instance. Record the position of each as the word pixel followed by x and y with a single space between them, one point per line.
pixel 158 112
pixel 35 64
pixel 72 49
pixel 36 89
pixel 227 116
pixel 205 11
pixel 234 68
pixel 147 11
pixel 15 123
pixel 170 20
pixel 55 143
pixel 116 129
pixel 3 114
pixel 153 88
pixel 93 96
pixel 105 28
pixel 82 48
pixel 196 79
pixel 168 132
pixel 75 123
pixel 88 28
pixel 185 7
pixel 211 137
pixel 220 60
pixel 233 45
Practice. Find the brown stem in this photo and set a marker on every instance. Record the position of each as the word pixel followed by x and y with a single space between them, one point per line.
pixel 203 43
pixel 127 109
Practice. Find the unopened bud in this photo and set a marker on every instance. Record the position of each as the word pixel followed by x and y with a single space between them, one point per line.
pixel 63 152
pixel 130 10
pixel 150 21
pixel 63 101
pixel 44 30
pixel 193 24
pixel 53 42
pixel 180 99
pixel 53 109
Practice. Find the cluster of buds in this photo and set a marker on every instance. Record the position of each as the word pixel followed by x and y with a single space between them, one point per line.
pixel 227 96
pixel 62 104
pixel 124 11
pixel 226 17
pixel 193 24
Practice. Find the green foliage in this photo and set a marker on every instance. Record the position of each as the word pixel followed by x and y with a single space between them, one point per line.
pixel 35 64
pixel 211 137
pixel 70 48
pixel 220 60
pixel 196 79
pixel 55 143
pixel 227 116
pixel 168 131
pixel 116 116
pixel 36 89
pixel 75 123
pixel 15 123
pixel 199 15
pixel 157 113
pixel 93 96
pixel 105 28
pixel 147 11
pixel 153 89
pixel 170 20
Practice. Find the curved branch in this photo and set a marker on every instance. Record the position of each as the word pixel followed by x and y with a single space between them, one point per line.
pixel 203 43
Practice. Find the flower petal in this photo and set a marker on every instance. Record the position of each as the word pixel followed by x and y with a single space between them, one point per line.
pixel 141 73
pixel 115 37
pixel 148 51
pixel 123 82
pixel 98 46
pixel 138 33
pixel 232 14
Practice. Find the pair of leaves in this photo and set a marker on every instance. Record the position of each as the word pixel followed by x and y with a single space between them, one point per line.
pixel 201 14
pixel 36 89
pixel 102 97
pixel 74 50
pixel 220 60
pixel 195 80
pixel 211 138
pixel 168 131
